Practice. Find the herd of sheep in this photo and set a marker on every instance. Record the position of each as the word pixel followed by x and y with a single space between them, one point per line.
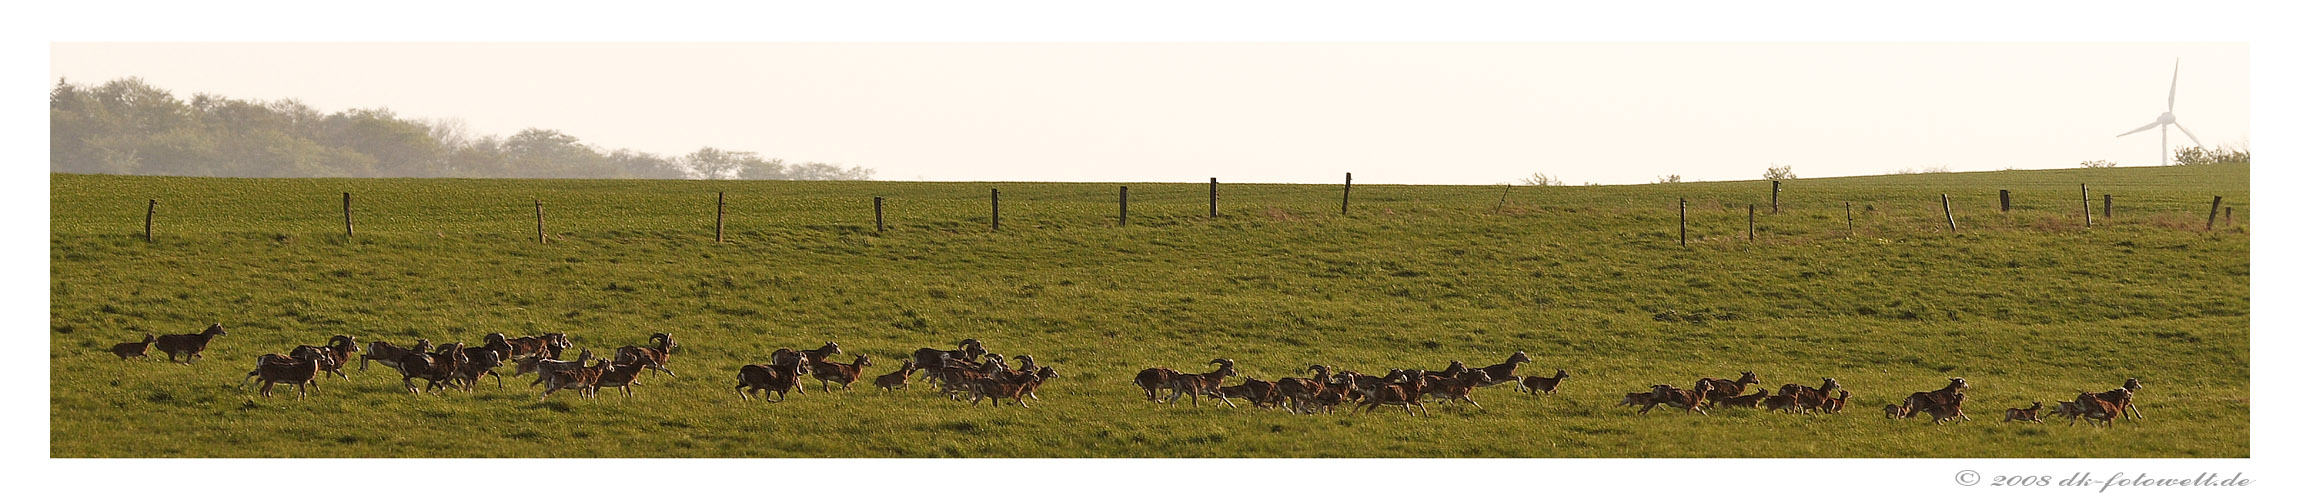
pixel 973 373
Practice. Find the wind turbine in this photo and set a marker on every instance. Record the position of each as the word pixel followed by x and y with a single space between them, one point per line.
pixel 2164 140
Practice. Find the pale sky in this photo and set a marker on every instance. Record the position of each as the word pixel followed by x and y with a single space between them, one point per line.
pixel 1419 113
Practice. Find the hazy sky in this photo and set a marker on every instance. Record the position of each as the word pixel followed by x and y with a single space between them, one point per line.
pixel 1444 113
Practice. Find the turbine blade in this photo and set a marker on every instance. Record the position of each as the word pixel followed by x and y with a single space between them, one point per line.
pixel 2191 136
pixel 2143 128
pixel 2175 92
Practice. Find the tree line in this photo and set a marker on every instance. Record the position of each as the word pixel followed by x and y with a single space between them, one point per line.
pixel 127 126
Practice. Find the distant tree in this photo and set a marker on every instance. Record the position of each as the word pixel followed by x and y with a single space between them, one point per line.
pixel 1541 179
pixel 755 168
pixel 715 163
pixel 645 166
pixel 2094 164
pixel 127 126
pixel 400 148
pixel 1779 173
pixel 1667 179
pixel 817 171
pixel 2195 155
pixel 544 153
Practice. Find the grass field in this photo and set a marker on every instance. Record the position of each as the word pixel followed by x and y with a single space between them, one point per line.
pixel 2028 306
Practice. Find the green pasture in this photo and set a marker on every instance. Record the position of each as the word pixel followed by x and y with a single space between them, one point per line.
pixel 2029 305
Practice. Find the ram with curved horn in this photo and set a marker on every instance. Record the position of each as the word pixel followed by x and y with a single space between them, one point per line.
pixel 1209 383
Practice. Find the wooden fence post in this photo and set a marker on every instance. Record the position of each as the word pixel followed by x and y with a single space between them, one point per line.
pixel 994 209
pixel 1345 194
pixel 539 222
pixel 153 206
pixel 1848 220
pixel 2108 206
pixel 2004 200
pixel 1952 216
pixel 2229 215
pixel 347 215
pixel 2215 211
pixel 1121 206
pixel 1213 198
pixel 2086 194
pixel 719 228
pixel 1753 222
pixel 1776 197
pixel 878 212
pixel 1680 222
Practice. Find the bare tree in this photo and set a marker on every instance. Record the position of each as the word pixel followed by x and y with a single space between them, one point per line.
pixel 1779 173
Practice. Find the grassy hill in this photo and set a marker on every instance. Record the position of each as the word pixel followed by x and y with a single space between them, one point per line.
pixel 2028 306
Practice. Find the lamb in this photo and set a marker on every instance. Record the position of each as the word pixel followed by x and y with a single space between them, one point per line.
pixel 188 346
pixel 127 350
pixel 623 376
pixel 843 373
pixel 899 379
pixel 1537 385
pixel 1833 405
pixel 2024 414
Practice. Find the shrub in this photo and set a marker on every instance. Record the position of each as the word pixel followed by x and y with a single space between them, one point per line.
pixel 1779 173
pixel 2223 154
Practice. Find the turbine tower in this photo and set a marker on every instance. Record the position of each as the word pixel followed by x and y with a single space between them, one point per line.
pixel 2164 139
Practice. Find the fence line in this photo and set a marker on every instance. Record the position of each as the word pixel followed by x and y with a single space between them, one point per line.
pixel 2214 216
